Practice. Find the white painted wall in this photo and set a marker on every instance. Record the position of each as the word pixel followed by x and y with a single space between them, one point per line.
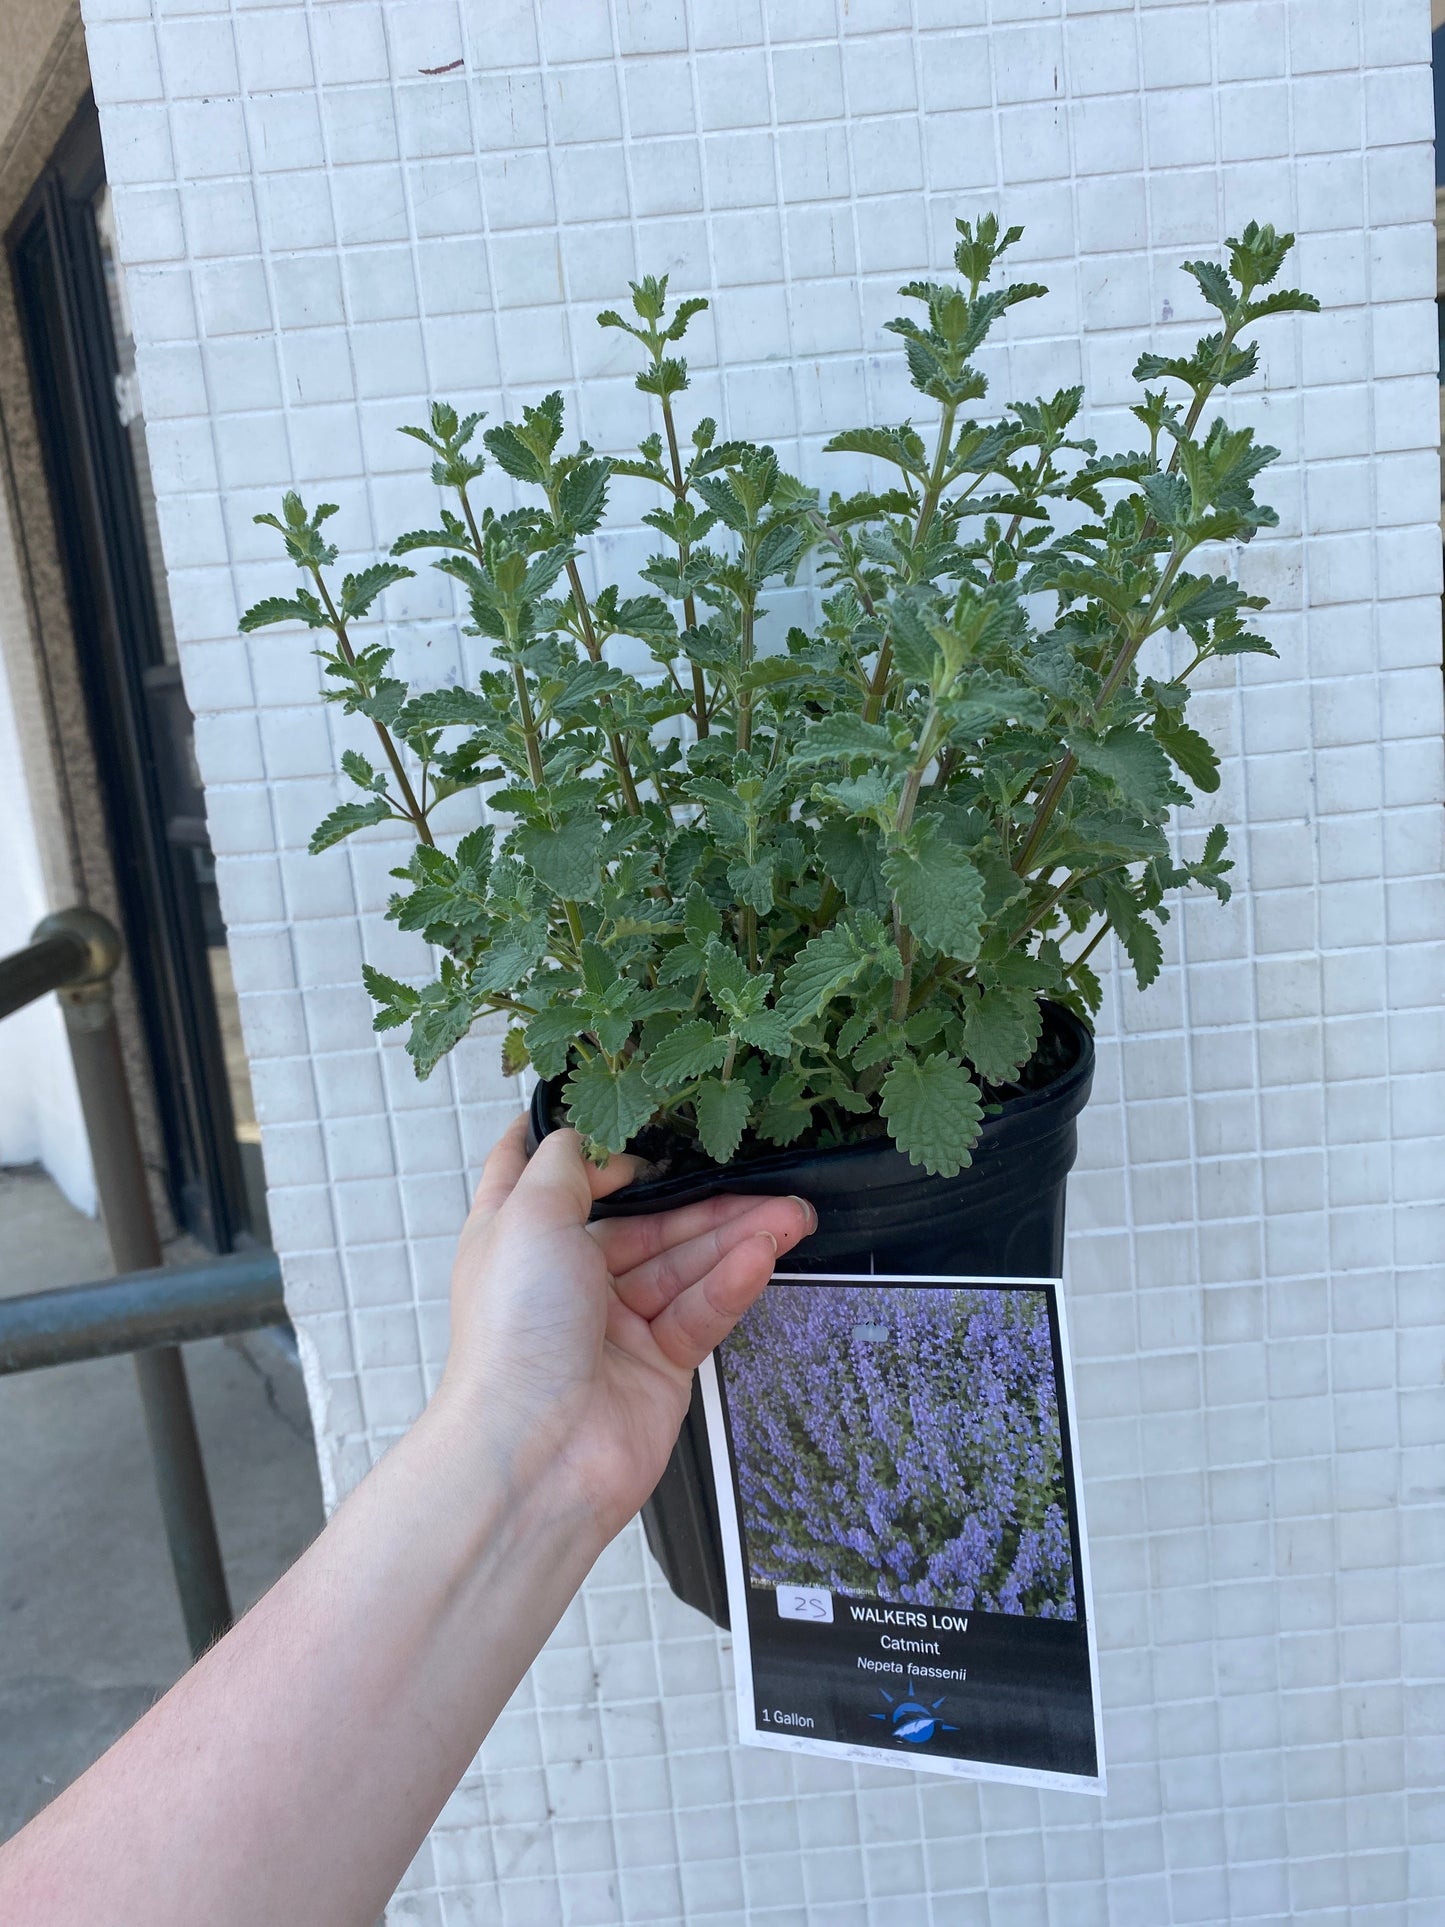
pixel 319 234
pixel 40 1120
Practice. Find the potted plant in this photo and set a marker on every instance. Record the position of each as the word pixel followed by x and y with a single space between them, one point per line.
pixel 814 912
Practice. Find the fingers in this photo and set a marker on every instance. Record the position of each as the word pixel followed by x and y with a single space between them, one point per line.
pixel 629 1242
pixel 651 1285
pixel 702 1316
pixel 559 1184
pixel 506 1161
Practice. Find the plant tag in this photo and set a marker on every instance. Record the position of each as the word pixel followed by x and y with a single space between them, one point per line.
pixel 903 1527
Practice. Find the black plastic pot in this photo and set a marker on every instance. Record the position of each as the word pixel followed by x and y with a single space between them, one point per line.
pixel 1003 1217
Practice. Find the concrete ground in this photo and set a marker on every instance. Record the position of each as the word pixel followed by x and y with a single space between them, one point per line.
pixel 90 1629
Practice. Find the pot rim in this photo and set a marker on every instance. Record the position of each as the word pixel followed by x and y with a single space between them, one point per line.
pixel 651 1192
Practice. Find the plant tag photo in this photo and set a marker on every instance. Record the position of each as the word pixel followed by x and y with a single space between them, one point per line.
pixel 903 1527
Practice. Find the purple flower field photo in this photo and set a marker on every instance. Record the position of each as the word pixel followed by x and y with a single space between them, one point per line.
pixel 902 1444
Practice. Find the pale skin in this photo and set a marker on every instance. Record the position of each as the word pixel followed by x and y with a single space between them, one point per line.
pixel 292 1774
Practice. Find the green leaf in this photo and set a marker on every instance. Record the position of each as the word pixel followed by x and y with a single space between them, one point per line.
pixel 582 496
pixel 1192 753
pixel 567 860
pixel 870 795
pixel 358 769
pixel 840 737
pixel 690 1051
pixel 442 708
pixel 881 1048
pixel 1132 761
pixel 727 975
pixel 938 891
pixel 438 1027
pixel 702 920
pixel 302 607
pixel 828 964
pixel 514 1053
pixel 679 866
pixel 1242 642
pixel 1090 990
pixel 513 454
pixel 722 1115
pixel 753 882
pixel 510 957
pixel 903 447
pixel 599 972
pixel 550 1036
pixel 608 1107
pixel 933 1112
pixel 397 1001
pixel 1000 1031
pixel 787 1113
pixel 359 591
pixel 1169 497
pixel 346 818
pixel 853 857
pixel 1141 941
pixel 765 1030
pixel 474 852
pixel 1213 284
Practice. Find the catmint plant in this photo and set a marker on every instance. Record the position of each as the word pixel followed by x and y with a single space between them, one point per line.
pixel 902 1444
pixel 814 885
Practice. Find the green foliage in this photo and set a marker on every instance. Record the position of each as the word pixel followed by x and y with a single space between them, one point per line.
pixel 933 1111
pixel 781 885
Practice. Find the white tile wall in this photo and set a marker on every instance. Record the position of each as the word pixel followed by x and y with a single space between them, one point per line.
pixel 1257 1227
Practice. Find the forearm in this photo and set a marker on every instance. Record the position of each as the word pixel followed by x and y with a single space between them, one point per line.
pixel 292 1774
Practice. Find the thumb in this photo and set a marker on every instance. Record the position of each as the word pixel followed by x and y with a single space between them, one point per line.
pixel 560 1183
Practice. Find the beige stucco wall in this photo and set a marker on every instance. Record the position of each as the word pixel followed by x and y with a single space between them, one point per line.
pixel 60 840
pixel 36 39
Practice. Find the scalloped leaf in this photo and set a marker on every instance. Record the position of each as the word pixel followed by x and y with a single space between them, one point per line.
pixel 933 1112
pixel 939 893
pixel 689 1052
pixel 609 1107
pixel 722 1115
pixel 345 820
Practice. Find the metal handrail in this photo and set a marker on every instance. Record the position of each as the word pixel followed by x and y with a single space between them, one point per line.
pixel 63 958
pixel 142 1309
pixel 146 1309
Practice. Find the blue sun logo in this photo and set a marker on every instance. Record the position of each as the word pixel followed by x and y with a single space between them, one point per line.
pixel 910 1719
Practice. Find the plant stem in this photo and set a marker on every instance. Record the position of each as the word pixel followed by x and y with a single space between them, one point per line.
pixel 415 814
pixel 1044 810
pixel 1089 948
pixel 1011 533
pixel 684 551
pixel 936 474
pixel 1063 775
pixel 529 727
pixel 902 823
pixel 476 533
pixel 750 936
pixel 1059 781
pixel 615 744
pixel 902 985
pixel 745 658
pixel 1054 897
pixel 1135 643
pixel 883 668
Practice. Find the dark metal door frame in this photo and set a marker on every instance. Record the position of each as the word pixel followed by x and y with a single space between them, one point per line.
pixel 60 288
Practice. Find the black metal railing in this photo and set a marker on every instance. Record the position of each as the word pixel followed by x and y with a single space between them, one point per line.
pixel 146 1309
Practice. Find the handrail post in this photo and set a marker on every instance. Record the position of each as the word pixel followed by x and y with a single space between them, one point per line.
pixel 120 1181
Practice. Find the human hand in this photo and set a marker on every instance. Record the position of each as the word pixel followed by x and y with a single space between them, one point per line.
pixel 574 1344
